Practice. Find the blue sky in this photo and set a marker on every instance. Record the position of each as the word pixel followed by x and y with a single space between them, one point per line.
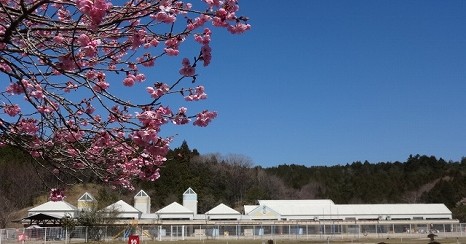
pixel 333 82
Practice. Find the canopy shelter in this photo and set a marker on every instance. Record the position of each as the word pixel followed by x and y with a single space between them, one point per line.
pixel 42 220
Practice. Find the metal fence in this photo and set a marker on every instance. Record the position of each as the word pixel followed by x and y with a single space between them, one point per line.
pixel 174 232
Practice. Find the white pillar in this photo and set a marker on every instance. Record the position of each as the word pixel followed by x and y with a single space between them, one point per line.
pixel 160 233
pixel 182 232
pixel 171 232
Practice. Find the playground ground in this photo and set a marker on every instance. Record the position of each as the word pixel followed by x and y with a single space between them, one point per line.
pixel 461 240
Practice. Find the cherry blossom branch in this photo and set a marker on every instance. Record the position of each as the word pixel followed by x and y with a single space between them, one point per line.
pixel 67 63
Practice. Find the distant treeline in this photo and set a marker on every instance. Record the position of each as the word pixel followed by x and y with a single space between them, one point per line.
pixel 235 181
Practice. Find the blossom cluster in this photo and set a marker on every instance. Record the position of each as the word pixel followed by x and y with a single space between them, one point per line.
pixel 56 194
pixel 74 96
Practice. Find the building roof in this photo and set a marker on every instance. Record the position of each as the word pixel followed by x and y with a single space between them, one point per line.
pixel 174 208
pixel 141 193
pixel 222 209
pixel 40 219
pixel 328 208
pixel 391 209
pixel 86 197
pixel 301 207
pixel 189 191
pixel 53 206
pixel 264 212
pixel 249 208
pixel 42 216
pixel 122 207
pixel 307 202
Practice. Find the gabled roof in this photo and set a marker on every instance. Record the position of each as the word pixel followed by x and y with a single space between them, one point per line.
pixel 394 209
pixel 86 197
pixel 36 220
pixel 249 208
pixel 122 207
pixel 189 191
pixel 263 211
pixel 52 206
pixel 42 216
pixel 222 209
pixel 141 193
pixel 174 208
pixel 325 207
pixel 301 207
pixel 295 202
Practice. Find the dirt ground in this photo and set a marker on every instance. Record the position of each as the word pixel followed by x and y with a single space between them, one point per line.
pixel 461 240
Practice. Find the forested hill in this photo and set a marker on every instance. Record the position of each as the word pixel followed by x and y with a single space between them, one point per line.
pixel 421 179
pixel 235 181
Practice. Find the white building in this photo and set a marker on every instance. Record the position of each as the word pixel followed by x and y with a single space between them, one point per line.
pixel 190 200
pixel 142 202
pixel 265 210
pixel 328 210
pixel 86 202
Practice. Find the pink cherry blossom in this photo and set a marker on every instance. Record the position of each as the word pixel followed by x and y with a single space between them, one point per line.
pixel 206 54
pixel 160 90
pixel 198 22
pixel 129 80
pixel 44 109
pixel 172 51
pixel 5 67
pixel 83 40
pixel 181 118
pixel 12 110
pixel 94 9
pixel 15 88
pixel 213 3
pixel 138 38
pixel 165 16
pixel 59 39
pixel 27 126
pixel 56 194
pixel 187 69
pixel 196 94
pixel 100 86
pixel 204 118
pixel 238 28
pixel 37 93
pixel 203 38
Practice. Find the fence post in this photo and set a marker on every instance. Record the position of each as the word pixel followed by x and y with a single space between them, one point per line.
pixel 45 235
